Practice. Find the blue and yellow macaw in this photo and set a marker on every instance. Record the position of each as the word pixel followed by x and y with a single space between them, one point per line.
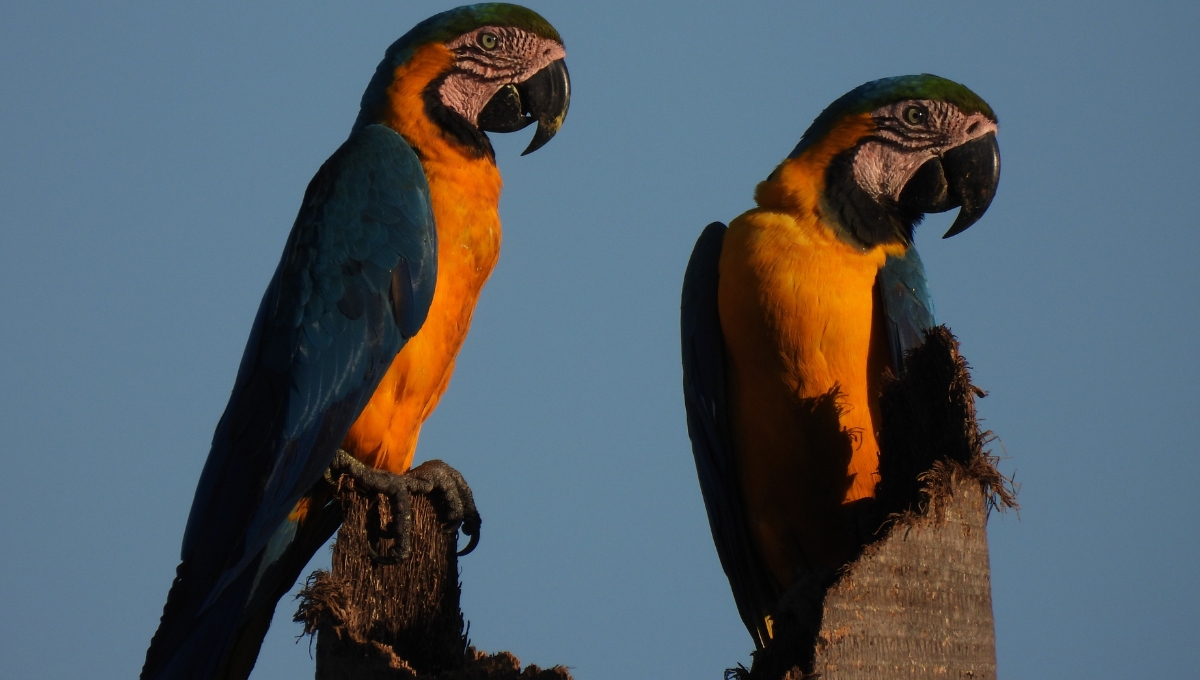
pixel 356 336
pixel 793 315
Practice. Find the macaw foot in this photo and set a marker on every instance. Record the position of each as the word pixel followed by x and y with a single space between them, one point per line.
pixel 430 476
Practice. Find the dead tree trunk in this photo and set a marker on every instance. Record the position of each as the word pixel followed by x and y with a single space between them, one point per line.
pixel 376 621
pixel 916 602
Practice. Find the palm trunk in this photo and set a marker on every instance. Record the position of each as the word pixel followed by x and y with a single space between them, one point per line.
pixel 918 604
pixel 378 621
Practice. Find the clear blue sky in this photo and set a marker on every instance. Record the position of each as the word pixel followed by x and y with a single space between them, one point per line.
pixel 153 156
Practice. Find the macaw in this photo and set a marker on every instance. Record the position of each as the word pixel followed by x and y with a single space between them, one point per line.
pixel 356 336
pixel 793 315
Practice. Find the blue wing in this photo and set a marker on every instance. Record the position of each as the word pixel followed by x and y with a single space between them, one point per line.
pixel 355 282
pixel 907 306
pixel 704 396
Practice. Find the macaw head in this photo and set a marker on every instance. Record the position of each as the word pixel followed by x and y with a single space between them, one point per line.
pixel 491 67
pixel 894 149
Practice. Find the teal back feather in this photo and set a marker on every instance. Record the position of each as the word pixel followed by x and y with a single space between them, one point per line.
pixel 907 304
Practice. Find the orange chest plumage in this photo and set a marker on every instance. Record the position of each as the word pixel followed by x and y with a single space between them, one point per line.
pixel 799 315
pixel 798 312
pixel 465 194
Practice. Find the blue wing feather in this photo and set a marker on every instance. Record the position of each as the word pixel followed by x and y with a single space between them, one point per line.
pixel 362 254
pixel 704 385
pixel 907 304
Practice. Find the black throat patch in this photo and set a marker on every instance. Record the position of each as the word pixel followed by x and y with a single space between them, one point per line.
pixel 859 219
pixel 458 129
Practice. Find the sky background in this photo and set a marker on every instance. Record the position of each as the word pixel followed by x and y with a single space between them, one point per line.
pixel 152 159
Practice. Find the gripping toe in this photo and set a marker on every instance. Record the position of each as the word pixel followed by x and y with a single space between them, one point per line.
pixel 429 477
pixel 460 503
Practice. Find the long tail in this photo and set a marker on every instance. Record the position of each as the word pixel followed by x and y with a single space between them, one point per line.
pixel 222 641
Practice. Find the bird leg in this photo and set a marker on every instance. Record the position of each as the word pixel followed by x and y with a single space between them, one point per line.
pixel 430 476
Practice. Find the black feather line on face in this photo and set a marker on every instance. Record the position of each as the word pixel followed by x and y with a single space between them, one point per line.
pixel 453 124
pixel 859 219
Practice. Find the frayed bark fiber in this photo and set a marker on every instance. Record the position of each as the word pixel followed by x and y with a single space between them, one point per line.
pixel 377 621
pixel 916 601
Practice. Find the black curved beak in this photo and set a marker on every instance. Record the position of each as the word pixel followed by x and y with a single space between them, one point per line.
pixel 964 177
pixel 544 98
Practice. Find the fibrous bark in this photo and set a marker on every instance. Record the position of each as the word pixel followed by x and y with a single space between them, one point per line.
pixel 379 621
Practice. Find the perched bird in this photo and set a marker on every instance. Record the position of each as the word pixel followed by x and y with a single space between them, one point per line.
pixel 355 339
pixel 792 316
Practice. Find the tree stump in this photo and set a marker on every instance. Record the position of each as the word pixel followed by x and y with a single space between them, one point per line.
pixel 916 602
pixel 379 621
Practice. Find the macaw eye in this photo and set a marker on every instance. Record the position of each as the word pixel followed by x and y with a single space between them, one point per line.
pixel 915 115
pixel 488 41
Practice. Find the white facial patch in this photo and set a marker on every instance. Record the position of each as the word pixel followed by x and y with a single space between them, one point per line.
pixel 885 163
pixel 480 72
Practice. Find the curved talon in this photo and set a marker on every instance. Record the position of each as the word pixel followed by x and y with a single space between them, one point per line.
pixel 460 501
pixel 390 558
pixel 470 544
pixel 401 524
pixel 399 529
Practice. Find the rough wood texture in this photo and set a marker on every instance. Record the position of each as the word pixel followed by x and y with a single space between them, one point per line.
pixel 916 602
pixel 377 621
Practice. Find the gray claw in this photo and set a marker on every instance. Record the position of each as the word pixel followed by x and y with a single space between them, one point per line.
pixel 460 501
pixel 423 479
